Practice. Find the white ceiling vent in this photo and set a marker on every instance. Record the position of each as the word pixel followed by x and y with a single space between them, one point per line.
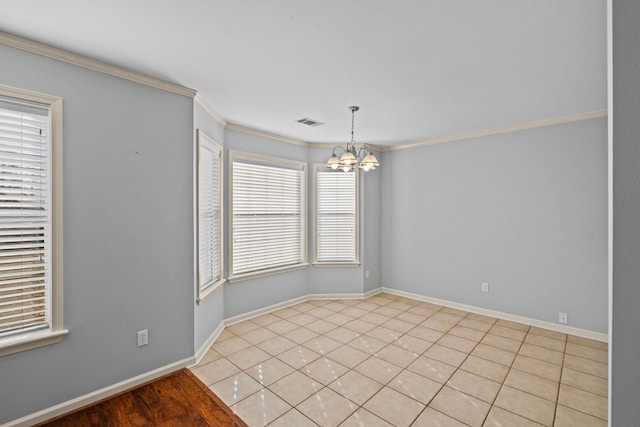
pixel 309 122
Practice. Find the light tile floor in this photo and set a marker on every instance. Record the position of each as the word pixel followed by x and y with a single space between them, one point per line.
pixel 394 361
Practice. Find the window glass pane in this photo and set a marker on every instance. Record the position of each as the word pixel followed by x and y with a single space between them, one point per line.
pixel 25 223
pixel 268 215
pixel 209 212
pixel 336 220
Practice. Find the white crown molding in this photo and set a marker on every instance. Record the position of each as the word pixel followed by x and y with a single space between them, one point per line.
pixel 328 145
pixel 276 137
pixel 264 134
pixel 113 70
pixel 500 130
pixel 98 395
pixel 202 101
pixel 432 141
pixel 92 64
pixel 331 145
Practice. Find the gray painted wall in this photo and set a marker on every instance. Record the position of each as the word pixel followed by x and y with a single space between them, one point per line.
pixel 625 376
pixel 371 226
pixel 128 241
pixel 334 280
pixel 524 211
pixel 248 295
pixel 209 313
pixel 245 296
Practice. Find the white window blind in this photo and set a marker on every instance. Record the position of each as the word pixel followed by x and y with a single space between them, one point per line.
pixel 209 213
pixel 336 216
pixel 268 214
pixel 25 218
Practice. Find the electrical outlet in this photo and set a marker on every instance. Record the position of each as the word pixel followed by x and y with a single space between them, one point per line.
pixel 366 274
pixel 563 318
pixel 143 337
pixel 485 287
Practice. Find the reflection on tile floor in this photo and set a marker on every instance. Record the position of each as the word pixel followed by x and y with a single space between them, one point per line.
pixel 393 361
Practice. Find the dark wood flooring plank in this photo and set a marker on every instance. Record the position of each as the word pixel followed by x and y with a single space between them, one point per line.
pixel 126 410
pixel 152 403
pixel 76 419
pixel 201 402
pixel 177 400
pixel 216 402
pixel 99 415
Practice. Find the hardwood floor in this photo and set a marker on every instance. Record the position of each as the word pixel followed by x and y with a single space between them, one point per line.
pixel 179 399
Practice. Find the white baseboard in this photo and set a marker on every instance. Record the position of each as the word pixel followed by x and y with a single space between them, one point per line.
pixel 372 292
pixel 334 296
pixel 585 333
pixel 95 396
pixel 202 351
pixel 264 310
pixel 270 309
pixel 106 392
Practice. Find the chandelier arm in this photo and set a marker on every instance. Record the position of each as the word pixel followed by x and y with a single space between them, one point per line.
pixel 336 147
pixel 352 155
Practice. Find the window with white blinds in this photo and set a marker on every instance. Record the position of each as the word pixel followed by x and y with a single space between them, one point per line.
pixel 209 215
pixel 268 214
pixel 336 216
pixel 28 298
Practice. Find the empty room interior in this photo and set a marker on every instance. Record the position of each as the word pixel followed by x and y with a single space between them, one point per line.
pixel 340 213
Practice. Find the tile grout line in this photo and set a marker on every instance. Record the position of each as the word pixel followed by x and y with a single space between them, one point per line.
pixel 505 379
pixel 322 356
pixel 371 355
pixel 453 373
pixel 564 355
pixel 403 369
pixel 444 333
pixel 390 380
pixel 388 345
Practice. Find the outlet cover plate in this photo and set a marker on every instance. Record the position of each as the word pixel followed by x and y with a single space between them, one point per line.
pixel 563 318
pixel 143 337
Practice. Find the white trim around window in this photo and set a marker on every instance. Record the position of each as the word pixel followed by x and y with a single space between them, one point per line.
pixel 210 216
pixel 31 285
pixel 267 215
pixel 336 217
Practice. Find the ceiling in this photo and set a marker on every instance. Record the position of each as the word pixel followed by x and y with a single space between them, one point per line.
pixel 419 69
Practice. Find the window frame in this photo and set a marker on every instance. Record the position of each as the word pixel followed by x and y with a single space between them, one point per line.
pixel 22 341
pixel 272 161
pixel 356 261
pixel 210 287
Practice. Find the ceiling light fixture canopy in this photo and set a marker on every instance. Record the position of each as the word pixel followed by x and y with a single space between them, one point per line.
pixel 351 155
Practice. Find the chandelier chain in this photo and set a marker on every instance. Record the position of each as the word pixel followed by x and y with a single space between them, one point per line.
pixel 353 157
pixel 353 120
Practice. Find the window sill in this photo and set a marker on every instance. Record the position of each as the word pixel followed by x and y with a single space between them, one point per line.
pixel 263 273
pixel 30 340
pixel 336 264
pixel 209 290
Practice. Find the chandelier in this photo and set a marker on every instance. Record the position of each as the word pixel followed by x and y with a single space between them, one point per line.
pixel 352 156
